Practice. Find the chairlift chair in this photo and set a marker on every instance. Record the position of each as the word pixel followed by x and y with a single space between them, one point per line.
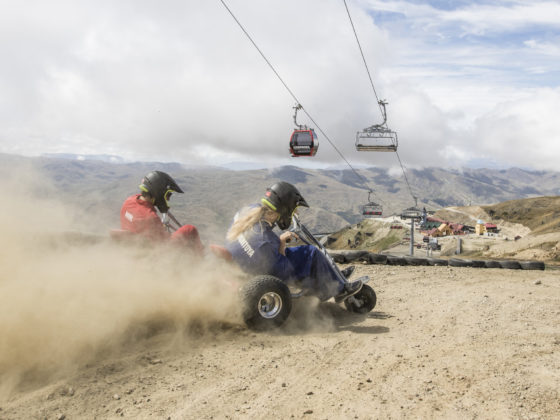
pixel 411 213
pixel 376 140
pixel 378 137
pixel 303 141
pixel 371 209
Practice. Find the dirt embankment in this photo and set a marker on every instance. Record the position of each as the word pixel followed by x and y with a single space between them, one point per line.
pixel 374 235
pixel 540 214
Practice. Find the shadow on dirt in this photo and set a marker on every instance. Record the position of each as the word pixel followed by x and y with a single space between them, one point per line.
pixel 308 316
pixel 379 315
pixel 376 329
pixel 312 316
pixel 349 321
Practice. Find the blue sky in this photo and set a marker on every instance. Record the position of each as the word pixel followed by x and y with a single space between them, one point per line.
pixel 515 43
pixel 469 83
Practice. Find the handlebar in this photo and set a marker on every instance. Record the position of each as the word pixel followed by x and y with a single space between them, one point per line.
pixel 303 233
pixel 307 237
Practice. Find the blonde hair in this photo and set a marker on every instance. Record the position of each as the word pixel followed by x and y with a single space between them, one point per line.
pixel 246 220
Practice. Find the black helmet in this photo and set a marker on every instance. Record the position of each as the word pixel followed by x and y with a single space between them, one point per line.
pixel 160 186
pixel 283 198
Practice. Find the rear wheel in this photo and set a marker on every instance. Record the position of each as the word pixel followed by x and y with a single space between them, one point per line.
pixel 362 302
pixel 267 302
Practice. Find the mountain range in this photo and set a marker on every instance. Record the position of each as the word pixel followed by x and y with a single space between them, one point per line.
pixel 97 187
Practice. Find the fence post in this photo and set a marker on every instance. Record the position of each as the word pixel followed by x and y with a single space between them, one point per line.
pixel 459 246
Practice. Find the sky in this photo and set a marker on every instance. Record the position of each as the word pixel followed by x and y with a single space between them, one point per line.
pixel 468 83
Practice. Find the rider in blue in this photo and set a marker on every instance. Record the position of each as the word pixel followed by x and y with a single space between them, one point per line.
pixel 258 250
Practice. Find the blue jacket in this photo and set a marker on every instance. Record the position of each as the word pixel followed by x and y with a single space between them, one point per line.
pixel 256 252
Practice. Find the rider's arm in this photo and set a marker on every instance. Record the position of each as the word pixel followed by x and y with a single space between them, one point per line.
pixel 284 239
pixel 278 265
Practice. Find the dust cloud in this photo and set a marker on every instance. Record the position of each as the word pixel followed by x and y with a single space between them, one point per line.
pixel 309 316
pixel 66 296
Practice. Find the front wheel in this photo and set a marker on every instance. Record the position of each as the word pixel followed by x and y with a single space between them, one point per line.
pixel 267 302
pixel 362 302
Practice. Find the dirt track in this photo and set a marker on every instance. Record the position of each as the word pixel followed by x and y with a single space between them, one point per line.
pixel 442 343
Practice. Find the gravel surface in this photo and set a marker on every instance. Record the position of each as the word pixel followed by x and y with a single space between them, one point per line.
pixel 443 342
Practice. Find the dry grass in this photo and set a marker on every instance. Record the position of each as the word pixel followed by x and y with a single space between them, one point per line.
pixel 540 214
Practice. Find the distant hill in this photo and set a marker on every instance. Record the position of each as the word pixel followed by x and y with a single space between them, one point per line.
pixel 374 235
pixel 529 229
pixel 73 156
pixel 540 214
pixel 213 195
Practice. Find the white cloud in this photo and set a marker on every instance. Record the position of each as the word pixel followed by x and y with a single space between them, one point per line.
pixel 545 48
pixel 477 18
pixel 523 132
pixel 504 16
pixel 182 82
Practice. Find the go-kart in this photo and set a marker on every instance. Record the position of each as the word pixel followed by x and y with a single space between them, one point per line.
pixel 267 300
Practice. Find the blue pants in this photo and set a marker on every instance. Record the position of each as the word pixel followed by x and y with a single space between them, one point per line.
pixel 314 272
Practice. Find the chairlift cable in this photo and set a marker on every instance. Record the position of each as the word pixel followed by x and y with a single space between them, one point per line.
pixel 375 93
pixel 360 177
pixel 376 197
pixel 363 56
pixel 260 52
pixel 406 179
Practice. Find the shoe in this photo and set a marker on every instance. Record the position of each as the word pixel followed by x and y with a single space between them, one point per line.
pixel 347 272
pixel 350 289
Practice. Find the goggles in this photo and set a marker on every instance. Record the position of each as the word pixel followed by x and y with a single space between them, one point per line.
pixel 167 196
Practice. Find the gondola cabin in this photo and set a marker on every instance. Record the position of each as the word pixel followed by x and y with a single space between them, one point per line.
pixel 304 143
pixel 372 210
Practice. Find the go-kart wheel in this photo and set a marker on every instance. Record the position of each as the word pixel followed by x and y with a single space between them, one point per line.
pixel 362 302
pixel 267 302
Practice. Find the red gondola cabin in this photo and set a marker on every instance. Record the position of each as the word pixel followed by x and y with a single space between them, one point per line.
pixel 304 143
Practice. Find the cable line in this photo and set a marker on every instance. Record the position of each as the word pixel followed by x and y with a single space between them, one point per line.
pixel 260 52
pixel 380 103
pixel 405 178
pixel 360 177
pixel 363 57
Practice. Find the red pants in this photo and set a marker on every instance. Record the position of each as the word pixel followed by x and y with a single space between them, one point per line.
pixel 187 236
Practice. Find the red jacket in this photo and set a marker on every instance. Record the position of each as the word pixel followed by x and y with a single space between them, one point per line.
pixel 140 216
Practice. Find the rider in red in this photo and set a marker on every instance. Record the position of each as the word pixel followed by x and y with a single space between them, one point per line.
pixel 139 215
